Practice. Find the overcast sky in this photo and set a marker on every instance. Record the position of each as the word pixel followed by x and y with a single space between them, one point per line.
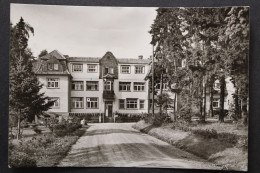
pixel 88 31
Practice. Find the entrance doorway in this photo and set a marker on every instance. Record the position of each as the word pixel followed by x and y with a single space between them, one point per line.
pixel 109 112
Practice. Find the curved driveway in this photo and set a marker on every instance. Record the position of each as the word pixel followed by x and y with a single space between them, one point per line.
pixel 119 145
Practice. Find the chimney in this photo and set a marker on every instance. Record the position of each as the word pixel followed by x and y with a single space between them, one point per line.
pixel 140 57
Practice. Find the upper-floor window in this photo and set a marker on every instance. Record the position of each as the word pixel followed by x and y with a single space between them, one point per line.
pixel 77 85
pixel 131 103
pixel 77 102
pixel 92 85
pixel 56 103
pixel 53 66
pixel 183 63
pixel 216 85
pixel 125 69
pixel 139 69
pixel 139 86
pixel 109 70
pixel 107 85
pixel 158 86
pixel 124 86
pixel 77 67
pixel 92 102
pixel 53 83
pixel 92 68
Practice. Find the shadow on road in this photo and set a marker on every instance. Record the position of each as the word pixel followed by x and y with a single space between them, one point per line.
pixel 108 131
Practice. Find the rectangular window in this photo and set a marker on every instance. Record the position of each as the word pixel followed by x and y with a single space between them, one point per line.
pixel 111 70
pixel 131 104
pixel 216 85
pixel 124 86
pixel 53 83
pixel 139 69
pixel 141 106
pixel 92 68
pixel 215 103
pixel 56 103
pixel 139 86
pixel 92 102
pixel 77 85
pixel 77 103
pixel 121 104
pixel 52 66
pixel 125 69
pixel 106 70
pixel 92 85
pixel 107 86
pixel 183 63
pixel 55 66
pixel 77 67
pixel 158 86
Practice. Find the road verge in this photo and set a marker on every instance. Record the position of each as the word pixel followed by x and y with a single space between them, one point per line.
pixel 221 151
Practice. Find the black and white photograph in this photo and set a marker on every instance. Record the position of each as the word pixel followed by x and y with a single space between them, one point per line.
pixel 147 87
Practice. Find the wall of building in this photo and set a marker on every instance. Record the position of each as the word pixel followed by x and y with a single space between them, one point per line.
pixel 84 74
pixel 140 95
pixel 62 92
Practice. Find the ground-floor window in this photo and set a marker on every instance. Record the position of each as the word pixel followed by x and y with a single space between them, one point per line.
pixel 215 103
pixel 141 104
pixel 131 104
pixel 92 102
pixel 77 102
pixel 121 103
pixel 56 103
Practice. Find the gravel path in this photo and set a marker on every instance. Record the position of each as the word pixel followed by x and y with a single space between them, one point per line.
pixel 119 145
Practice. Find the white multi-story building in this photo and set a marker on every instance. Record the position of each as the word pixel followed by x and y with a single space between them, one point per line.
pixel 103 85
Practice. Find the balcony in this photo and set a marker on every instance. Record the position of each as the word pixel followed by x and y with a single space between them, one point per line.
pixel 108 94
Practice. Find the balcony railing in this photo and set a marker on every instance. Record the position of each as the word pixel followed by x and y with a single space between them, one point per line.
pixel 108 94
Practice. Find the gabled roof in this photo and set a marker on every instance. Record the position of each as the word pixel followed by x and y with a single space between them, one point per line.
pixel 84 59
pixel 54 53
pixel 133 61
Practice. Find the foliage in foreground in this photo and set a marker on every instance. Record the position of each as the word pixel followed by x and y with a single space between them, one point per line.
pixel 43 150
pixel 212 144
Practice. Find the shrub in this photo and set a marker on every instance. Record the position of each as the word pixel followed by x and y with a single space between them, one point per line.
pixel 65 128
pixel 206 133
pixel 20 159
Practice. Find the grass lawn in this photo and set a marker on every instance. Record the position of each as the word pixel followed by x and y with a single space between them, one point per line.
pixel 46 148
pixel 224 144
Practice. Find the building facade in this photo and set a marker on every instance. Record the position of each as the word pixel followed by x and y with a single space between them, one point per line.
pixel 104 85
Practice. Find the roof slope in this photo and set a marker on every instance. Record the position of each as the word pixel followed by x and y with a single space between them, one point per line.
pixel 54 53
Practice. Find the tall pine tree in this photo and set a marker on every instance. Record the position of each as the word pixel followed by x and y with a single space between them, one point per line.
pixel 25 99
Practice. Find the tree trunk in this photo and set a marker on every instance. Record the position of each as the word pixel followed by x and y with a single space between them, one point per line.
pixel 236 105
pixel 18 125
pixel 161 90
pixel 211 113
pixel 222 98
pixel 203 117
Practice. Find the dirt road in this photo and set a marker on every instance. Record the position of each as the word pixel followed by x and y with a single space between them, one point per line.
pixel 119 145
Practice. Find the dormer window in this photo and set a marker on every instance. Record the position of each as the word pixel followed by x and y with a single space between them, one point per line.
pixel 53 66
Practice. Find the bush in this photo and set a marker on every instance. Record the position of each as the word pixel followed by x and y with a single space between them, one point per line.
pixel 207 133
pixel 20 159
pixel 65 128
